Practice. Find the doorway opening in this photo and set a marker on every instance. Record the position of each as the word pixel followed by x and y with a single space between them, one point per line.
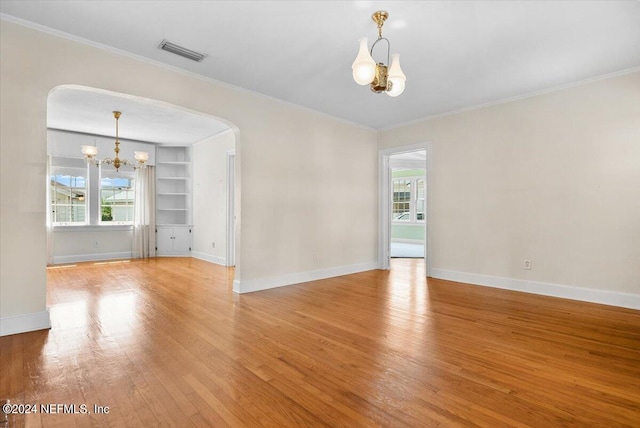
pixel 185 197
pixel 408 179
pixel 404 207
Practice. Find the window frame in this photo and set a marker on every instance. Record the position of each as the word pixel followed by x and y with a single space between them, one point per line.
pixel 404 201
pixel 92 204
pixel 53 205
pixel 413 200
pixel 128 175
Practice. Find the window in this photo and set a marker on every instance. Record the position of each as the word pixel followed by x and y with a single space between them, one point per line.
pixel 81 194
pixel 401 199
pixel 116 196
pixel 408 200
pixel 68 192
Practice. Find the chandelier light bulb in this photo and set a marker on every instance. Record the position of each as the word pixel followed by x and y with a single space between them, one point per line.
pixel 396 77
pixel 141 156
pixel 364 67
pixel 89 151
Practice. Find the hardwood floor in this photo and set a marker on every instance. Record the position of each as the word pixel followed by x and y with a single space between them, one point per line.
pixel 166 342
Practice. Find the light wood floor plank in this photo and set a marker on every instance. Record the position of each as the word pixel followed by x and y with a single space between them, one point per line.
pixel 166 342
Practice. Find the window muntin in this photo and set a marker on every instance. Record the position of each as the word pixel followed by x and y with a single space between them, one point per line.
pixel 116 196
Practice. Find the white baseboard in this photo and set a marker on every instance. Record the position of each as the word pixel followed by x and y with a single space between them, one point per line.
pixel 91 257
pixel 604 297
pixel 24 323
pixel 209 258
pixel 251 285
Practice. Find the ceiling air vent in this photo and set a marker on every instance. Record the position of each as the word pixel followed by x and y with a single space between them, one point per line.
pixel 179 50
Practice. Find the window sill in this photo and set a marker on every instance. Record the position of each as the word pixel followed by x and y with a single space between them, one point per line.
pixel 94 228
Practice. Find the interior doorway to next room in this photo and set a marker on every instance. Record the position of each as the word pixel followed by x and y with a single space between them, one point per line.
pixel 408 202
pixel 404 206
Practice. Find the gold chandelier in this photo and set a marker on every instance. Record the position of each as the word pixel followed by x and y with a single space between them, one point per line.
pixel 90 153
pixel 378 76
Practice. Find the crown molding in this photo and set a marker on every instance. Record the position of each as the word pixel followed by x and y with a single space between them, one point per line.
pixel 515 98
pixel 111 49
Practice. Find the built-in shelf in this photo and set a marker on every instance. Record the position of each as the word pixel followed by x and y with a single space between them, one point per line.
pixel 173 185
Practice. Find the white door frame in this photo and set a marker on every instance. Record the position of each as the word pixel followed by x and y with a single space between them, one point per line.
pixel 231 214
pixel 384 198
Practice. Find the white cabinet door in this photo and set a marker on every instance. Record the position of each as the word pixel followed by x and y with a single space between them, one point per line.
pixel 164 240
pixel 173 240
pixel 181 239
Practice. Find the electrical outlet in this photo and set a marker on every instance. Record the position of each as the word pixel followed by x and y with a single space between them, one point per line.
pixel 527 264
pixel 315 257
pixel 96 244
pixel 213 245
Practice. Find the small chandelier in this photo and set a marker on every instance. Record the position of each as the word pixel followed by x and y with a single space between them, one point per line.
pixel 366 71
pixel 90 153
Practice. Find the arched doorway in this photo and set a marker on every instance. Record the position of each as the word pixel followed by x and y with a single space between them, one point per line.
pixel 82 225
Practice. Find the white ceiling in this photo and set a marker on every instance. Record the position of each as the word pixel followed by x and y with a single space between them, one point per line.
pixel 90 111
pixel 455 54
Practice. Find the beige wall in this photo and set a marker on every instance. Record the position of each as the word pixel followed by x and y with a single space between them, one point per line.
pixel 554 178
pixel 282 221
pixel 210 196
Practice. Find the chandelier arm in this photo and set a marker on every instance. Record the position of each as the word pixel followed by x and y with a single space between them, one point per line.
pixel 388 48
